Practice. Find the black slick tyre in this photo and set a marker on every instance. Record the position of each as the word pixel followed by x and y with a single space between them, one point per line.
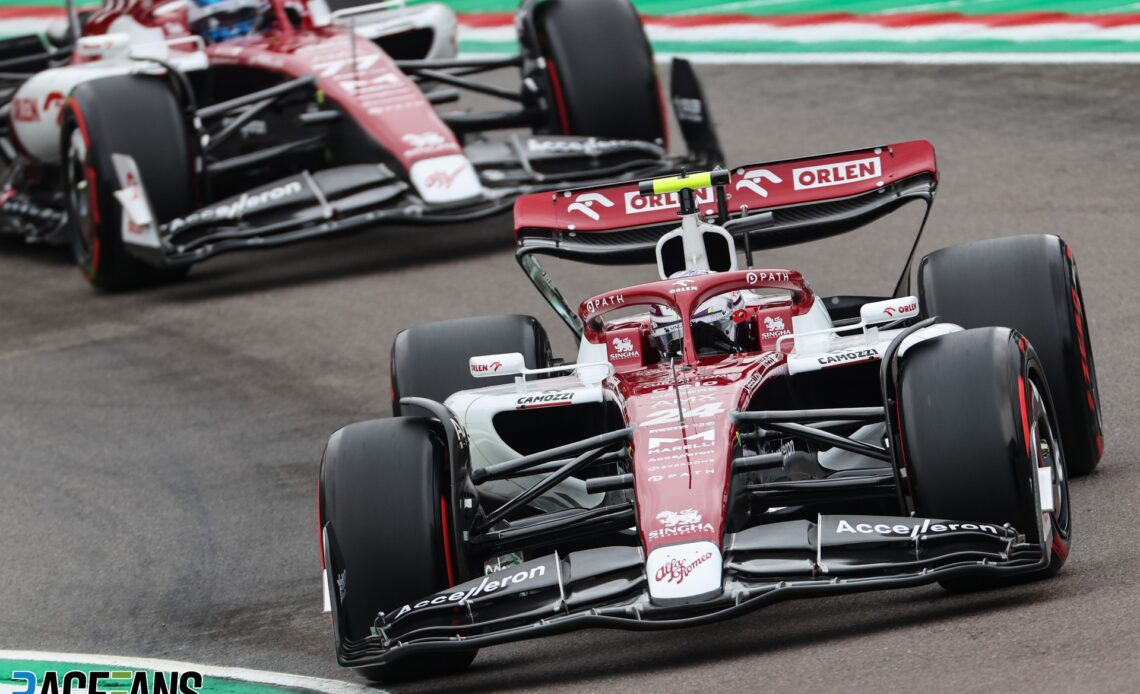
pixel 136 116
pixel 383 507
pixel 1030 284
pixel 600 69
pixel 977 424
pixel 431 360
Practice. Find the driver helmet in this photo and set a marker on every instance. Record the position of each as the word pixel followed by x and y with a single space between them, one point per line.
pixel 666 333
pixel 219 20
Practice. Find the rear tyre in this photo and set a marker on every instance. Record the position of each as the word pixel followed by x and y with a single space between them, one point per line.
pixel 139 117
pixel 381 495
pixel 431 360
pixel 977 423
pixel 600 70
pixel 1030 284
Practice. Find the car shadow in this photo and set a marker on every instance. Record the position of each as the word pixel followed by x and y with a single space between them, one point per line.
pixel 327 260
pixel 12 246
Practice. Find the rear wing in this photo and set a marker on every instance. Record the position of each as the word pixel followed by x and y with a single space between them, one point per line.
pixel 769 205
pixel 803 200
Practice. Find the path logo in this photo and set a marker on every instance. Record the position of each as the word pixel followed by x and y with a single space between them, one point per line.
pixel 106 682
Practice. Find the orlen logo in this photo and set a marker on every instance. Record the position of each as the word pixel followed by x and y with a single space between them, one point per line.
pixel 682 286
pixel 902 310
pixel 836 174
pixel 479 368
pixel 636 203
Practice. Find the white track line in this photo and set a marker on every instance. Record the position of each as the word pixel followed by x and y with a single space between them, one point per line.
pixel 904 58
pixel 879 58
pixel 230 673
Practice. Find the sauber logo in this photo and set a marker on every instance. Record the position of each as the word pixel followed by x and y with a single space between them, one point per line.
pixel 836 174
pixel 584 204
pixel 754 181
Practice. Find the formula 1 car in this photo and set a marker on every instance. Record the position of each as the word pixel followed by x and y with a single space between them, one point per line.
pixel 727 438
pixel 161 135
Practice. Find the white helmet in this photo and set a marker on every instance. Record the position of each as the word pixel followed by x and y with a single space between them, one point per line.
pixel 713 325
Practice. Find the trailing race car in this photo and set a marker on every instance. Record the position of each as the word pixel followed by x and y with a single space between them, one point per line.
pixel 727 438
pixel 171 131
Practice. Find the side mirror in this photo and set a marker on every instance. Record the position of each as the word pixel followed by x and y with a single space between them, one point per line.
pixel 889 311
pixel 491 365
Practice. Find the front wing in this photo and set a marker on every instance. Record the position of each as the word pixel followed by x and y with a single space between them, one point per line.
pixel 359 196
pixel 607 587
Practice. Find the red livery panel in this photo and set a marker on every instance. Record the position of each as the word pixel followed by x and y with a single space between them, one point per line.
pixel 755 187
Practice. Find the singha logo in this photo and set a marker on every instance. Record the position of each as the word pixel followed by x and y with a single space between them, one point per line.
pixel 773 323
pixel 623 344
pixel 686 517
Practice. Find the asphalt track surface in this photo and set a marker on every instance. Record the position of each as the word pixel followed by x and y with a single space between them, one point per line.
pixel 159 450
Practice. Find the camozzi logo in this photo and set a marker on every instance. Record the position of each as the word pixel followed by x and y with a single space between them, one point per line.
pixel 108 682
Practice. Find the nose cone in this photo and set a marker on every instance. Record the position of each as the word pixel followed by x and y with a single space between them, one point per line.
pixel 684 573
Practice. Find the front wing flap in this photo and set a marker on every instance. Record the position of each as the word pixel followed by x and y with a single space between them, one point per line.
pixel 607 587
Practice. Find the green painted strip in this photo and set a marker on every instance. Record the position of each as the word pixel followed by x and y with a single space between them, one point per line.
pixel 210 685
pixel 778 7
pixel 791 7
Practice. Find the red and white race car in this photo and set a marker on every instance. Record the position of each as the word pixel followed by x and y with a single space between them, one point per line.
pixel 154 134
pixel 726 437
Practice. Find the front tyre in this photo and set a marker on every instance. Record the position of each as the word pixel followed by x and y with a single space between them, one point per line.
pixel 383 505
pixel 980 436
pixel 139 117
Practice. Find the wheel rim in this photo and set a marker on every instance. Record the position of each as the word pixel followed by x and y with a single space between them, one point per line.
pixel 1047 453
pixel 79 191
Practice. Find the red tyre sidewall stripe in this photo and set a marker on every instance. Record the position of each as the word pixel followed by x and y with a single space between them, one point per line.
pixel 92 184
pixel 446 542
pixel 559 98
pixel 320 519
pixel 1024 415
pixel 902 449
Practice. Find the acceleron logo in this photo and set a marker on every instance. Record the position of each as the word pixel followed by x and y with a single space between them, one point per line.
pixel 108 682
